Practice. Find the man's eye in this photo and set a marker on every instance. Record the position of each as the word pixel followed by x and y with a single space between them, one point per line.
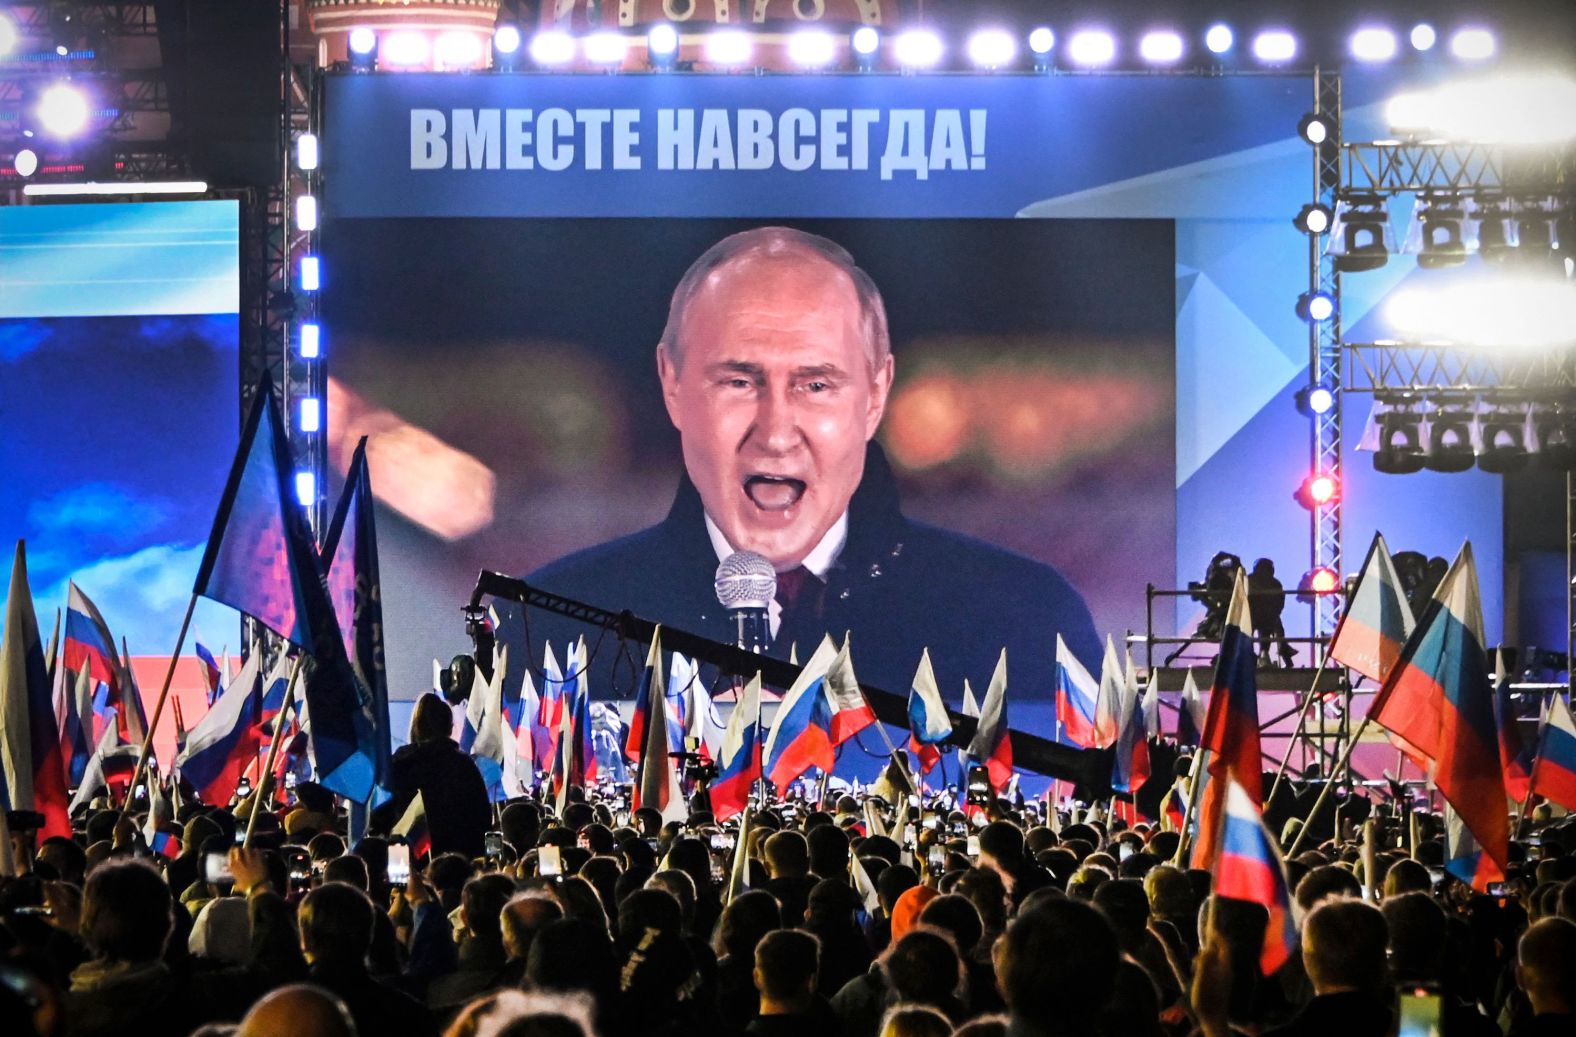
pixel 817 387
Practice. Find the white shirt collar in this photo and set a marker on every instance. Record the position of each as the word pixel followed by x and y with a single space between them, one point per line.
pixel 820 559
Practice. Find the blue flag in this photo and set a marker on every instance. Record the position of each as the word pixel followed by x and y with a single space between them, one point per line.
pixel 350 555
pixel 261 560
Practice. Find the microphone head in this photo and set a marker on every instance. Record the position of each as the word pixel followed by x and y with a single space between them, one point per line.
pixel 745 580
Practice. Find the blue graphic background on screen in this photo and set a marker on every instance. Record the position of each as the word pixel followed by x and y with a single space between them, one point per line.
pixel 118 339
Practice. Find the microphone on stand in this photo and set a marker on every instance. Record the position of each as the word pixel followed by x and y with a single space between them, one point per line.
pixel 746 583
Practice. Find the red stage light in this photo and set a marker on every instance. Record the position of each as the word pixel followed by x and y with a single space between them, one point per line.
pixel 1318 489
pixel 1323 580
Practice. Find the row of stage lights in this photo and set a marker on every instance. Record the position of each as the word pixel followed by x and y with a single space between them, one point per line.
pixel 309 415
pixel 1526 301
pixel 916 49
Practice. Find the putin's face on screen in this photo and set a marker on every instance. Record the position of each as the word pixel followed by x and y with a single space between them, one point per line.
pixel 772 386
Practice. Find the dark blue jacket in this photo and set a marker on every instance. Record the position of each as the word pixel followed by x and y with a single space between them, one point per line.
pixel 898 586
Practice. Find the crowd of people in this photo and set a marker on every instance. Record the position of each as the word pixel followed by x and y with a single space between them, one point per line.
pixel 597 920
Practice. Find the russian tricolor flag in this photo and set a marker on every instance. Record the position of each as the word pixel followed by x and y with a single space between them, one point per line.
pixel 739 757
pixel 851 712
pixel 32 768
pixel 1378 621
pixel 210 667
pixel 88 640
pixel 1190 712
pixel 226 741
pixel 928 724
pixel 1108 706
pixel 1077 699
pixel 550 711
pixel 1249 868
pixel 1231 727
pixel 1514 757
pixel 1439 700
pixel 1130 762
pixel 412 827
pixel 1554 770
pixel 801 735
pixel 657 781
pixel 992 743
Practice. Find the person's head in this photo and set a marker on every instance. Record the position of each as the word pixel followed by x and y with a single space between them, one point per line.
pixel 747 918
pixel 647 909
pixel 522 918
pixel 336 925
pixel 1406 876
pixel 787 855
pixel 1056 965
pixel 986 891
pixel 126 912
pixel 828 851
pixel 66 857
pixel 904 1020
pixel 301 1010
pixel 482 902
pixel 680 887
pixel 923 966
pixel 516 1013
pixel 1418 935
pixel 1001 842
pixel 1170 894
pixel 432 720
pixel 570 954
pixel 520 823
pixel 348 869
pixel 1125 904
pixel 1344 946
pixel 1546 966
pixel 1326 882
pixel 786 965
pixel 956 916
pixel 775 366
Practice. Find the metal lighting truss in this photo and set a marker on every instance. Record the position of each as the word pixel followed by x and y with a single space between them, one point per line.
pixel 1324 352
pixel 1388 168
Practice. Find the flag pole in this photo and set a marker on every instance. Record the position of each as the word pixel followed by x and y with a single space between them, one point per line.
pixel 1526 803
pixel 158 710
pixel 1302 725
pixel 1324 793
pixel 1190 808
pixel 263 791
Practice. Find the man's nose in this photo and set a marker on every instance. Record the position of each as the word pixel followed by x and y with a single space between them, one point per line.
pixel 776 423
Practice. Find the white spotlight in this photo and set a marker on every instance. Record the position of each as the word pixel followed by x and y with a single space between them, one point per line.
pixel 306 152
pixel 63 110
pixel 662 41
pixel 311 274
pixel 7 34
pixel 1472 44
pixel 812 48
pixel 458 50
pixel 362 40
pixel 311 341
pixel 506 39
pixel 1497 311
pixel 26 162
pixel 729 48
pixel 1373 44
pixel 1041 40
pixel 306 212
pixel 1163 47
pixel 311 414
pixel 551 48
pixel 992 48
pixel 1525 109
pixel 306 488
pixel 1423 36
pixel 406 49
pixel 1274 46
pixel 606 48
pixel 917 48
pixel 1091 47
pixel 1219 38
pixel 866 40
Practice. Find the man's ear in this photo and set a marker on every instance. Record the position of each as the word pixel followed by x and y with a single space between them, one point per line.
pixel 668 375
pixel 880 389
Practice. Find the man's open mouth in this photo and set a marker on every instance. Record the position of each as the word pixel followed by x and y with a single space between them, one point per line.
pixel 774 492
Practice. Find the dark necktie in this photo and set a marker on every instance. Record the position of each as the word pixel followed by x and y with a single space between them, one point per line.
pixel 799 592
